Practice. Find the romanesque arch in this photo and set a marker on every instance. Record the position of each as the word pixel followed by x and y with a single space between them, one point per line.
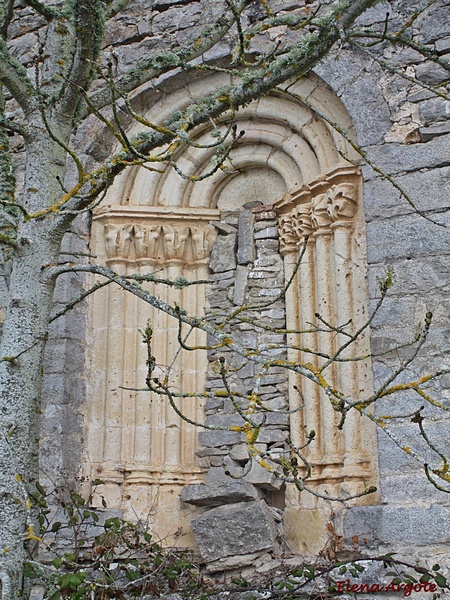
pixel 160 222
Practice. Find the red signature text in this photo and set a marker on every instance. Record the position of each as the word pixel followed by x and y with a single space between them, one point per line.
pixel 372 588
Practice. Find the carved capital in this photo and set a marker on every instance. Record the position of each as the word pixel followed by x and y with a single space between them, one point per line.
pixel 146 240
pixel 187 243
pixel 318 207
pixel 341 201
pixel 118 240
pixel 319 213
pixel 294 226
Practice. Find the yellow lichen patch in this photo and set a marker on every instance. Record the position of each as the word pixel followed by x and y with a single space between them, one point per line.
pixel 266 466
pixel 407 449
pixel 31 535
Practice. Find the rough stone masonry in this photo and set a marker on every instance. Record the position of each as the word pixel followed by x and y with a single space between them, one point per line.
pixel 403 129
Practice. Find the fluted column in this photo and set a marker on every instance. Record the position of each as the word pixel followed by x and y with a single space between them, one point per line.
pixel 144 444
pixel 327 211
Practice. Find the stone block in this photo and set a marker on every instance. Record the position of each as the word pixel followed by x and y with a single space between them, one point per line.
pixel 397 526
pixel 268 233
pixel 306 530
pixel 406 237
pixel 246 247
pixel 219 438
pixel 433 29
pixel 231 562
pixel 397 158
pixel 205 452
pixel 427 133
pixel 224 228
pixel 225 420
pixel 223 254
pixel 269 436
pixel 368 109
pixel 424 188
pixel 262 478
pixel 404 489
pixel 239 453
pixel 443 45
pixel 234 530
pixel 240 285
pixel 214 404
pixel 434 109
pixel 229 491
pixel 431 73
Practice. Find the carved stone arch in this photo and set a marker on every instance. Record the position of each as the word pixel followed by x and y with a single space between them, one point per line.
pixel 160 222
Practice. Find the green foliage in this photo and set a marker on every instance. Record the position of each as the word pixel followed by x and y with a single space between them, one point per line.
pixel 93 556
pixel 106 557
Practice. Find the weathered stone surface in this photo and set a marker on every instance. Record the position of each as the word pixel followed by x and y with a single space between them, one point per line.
pixel 218 438
pixel 270 233
pixel 230 491
pixel 213 404
pixel 224 227
pixel 231 562
pixel 395 158
pixel 406 237
pixel 246 247
pixel 431 73
pixel 235 529
pixel 434 109
pixel 443 45
pixel 389 525
pixel 424 188
pixel 262 478
pixel 240 285
pixel 239 453
pixel 427 133
pixel 222 255
pixel 269 436
pixel 436 28
pixel 369 110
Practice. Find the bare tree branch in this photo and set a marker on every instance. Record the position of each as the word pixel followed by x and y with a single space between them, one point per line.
pixel 14 77
pixel 162 62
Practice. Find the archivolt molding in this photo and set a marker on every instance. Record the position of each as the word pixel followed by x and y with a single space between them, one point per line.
pixel 153 222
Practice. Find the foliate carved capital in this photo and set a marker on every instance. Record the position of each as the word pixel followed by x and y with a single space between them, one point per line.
pixel 327 202
pixel 341 201
pixel 319 212
pixel 187 243
pixel 118 240
pixel 294 226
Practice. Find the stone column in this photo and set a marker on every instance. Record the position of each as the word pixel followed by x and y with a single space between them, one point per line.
pixel 326 211
pixel 148 451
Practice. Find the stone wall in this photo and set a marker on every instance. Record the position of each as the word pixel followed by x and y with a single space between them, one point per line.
pixel 404 130
pixel 244 500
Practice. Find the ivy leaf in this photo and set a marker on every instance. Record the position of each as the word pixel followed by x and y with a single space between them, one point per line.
pixel 440 580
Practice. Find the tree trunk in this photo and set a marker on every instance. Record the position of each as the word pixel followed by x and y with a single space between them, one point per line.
pixel 21 359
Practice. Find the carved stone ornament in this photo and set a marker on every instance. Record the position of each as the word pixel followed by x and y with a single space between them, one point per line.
pixel 316 206
pixel 178 236
pixel 341 201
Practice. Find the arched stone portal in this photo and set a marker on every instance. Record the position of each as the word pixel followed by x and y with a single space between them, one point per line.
pixel 160 222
